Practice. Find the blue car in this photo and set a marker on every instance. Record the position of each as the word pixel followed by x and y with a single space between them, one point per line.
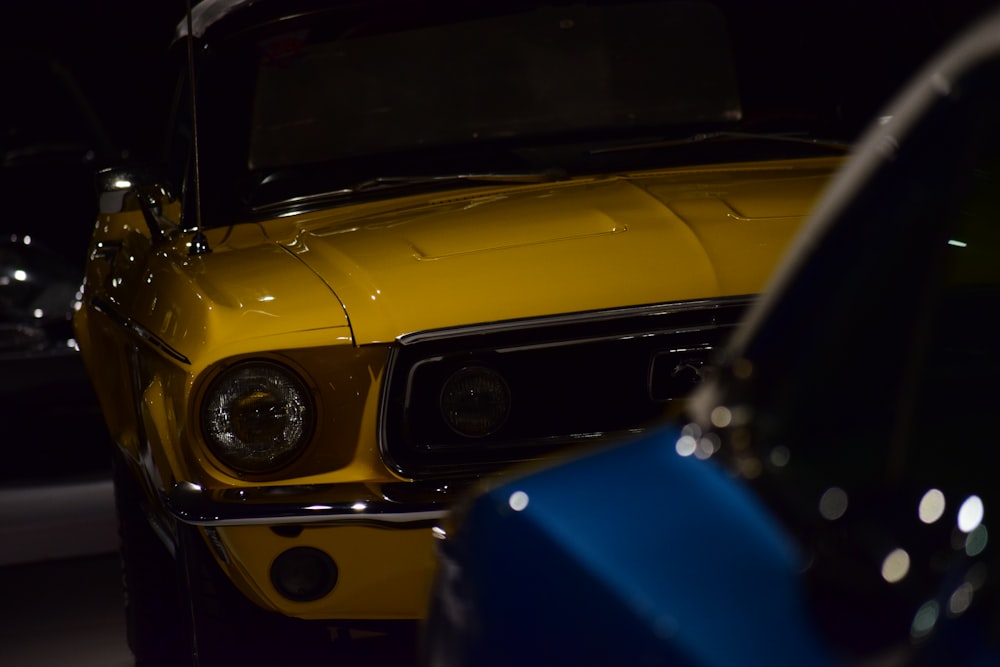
pixel 828 496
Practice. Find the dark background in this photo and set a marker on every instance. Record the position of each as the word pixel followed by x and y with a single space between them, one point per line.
pixel 854 53
pixel 113 48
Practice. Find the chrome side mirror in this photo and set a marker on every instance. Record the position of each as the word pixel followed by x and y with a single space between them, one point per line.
pixel 123 189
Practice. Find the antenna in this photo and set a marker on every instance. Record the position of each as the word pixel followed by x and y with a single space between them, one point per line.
pixel 199 244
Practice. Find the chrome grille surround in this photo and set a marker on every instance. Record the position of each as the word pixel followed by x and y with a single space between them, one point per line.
pixel 576 378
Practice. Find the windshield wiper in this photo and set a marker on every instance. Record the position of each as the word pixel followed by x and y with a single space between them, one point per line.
pixel 385 182
pixel 380 183
pixel 704 137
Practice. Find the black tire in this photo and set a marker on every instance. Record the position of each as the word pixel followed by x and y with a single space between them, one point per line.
pixel 154 625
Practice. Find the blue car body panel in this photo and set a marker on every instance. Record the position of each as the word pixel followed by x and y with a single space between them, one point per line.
pixel 668 555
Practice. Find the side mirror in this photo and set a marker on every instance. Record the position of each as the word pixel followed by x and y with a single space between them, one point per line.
pixel 140 187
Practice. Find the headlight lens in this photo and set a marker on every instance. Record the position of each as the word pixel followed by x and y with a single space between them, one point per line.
pixel 257 416
pixel 475 401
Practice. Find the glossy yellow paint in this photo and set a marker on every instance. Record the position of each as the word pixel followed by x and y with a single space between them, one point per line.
pixel 495 254
pixel 383 572
pixel 326 292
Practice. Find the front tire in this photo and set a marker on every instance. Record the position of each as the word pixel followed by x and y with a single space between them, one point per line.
pixel 152 606
pixel 182 610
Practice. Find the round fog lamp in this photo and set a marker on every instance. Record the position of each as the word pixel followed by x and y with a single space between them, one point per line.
pixel 304 574
pixel 475 401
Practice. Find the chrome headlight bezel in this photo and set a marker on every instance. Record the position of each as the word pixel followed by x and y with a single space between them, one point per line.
pixel 257 416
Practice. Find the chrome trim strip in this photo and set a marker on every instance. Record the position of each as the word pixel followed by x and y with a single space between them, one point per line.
pixel 531 323
pixel 599 339
pixel 191 504
pixel 573 318
pixel 105 307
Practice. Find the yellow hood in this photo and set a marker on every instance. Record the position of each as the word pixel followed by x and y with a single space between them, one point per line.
pixel 500 253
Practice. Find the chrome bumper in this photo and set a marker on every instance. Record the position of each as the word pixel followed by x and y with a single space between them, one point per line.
pixel 397 505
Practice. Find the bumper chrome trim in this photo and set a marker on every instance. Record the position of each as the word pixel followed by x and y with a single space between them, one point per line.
pixel 303 504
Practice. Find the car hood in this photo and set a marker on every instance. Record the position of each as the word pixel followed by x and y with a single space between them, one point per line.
pixel 674 561
pixel 496 253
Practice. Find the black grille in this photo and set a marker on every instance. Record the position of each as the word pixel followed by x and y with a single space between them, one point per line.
pixel 577 378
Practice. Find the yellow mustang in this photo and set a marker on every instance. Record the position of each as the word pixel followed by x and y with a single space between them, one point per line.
pixel 389 253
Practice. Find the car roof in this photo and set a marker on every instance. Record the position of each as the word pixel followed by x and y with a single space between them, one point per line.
pixel 209 16
pixel 205 14
pixel 218 17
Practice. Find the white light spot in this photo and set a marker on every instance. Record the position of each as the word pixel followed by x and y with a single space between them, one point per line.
pixel 708 445
pixel 961 599
pixel 38 313
pixel 833 503
pixel 970 514
pixel 958 244
pixel 896 566
pixel 518 501
pixel 780 456
pixel 721 416
pixel 925 619
pixel 122 184
pixel 692 430
pixel 931 506
pixel 359 506
pixel 704 449
pixel 975 541
pixel 439 533
pixel 20 274
pixel 686 445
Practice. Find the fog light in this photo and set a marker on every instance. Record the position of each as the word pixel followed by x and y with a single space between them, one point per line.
pixel 475 401
pixel 304 574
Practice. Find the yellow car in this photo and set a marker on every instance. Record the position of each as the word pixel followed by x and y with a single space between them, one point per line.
pixel 388 253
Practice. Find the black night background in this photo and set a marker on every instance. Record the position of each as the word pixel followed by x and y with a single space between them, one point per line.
pixel 852 50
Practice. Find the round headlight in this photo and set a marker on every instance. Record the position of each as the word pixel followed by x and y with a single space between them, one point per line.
pixel 475 401
pixel 257 416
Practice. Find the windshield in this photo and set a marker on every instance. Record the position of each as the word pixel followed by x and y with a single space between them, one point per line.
pixel 549 70
pixel 316 105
